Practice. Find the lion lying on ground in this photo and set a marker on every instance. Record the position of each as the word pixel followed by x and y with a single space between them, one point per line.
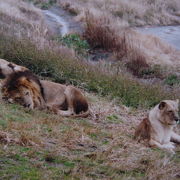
pixel 158 127
pixel 25 88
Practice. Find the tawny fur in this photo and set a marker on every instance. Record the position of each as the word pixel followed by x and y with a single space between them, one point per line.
pixel 61 99
pixel 65 100
pixel 143 131
pixel 158 127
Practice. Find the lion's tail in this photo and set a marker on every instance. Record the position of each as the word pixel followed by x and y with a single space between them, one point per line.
pixel 83 115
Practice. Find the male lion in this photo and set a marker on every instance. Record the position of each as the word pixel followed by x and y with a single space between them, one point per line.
pixel 26 89
pixel 158 127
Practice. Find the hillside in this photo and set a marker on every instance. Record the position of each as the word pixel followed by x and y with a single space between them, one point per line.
pixel 40 145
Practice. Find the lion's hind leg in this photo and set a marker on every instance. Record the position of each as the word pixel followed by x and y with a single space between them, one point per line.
pixel 76 104
pixel 68 101
pixel 58 110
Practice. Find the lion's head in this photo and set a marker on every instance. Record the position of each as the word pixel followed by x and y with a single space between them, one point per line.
pixel 24 88
pixel 169 112
pixel 7 68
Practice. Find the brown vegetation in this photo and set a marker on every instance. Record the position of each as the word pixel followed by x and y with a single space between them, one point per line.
pixel 131 12
pixel 139 52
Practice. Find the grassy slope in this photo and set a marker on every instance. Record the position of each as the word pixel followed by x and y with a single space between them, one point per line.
pixel 39 145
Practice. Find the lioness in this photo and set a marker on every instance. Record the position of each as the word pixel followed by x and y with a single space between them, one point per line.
pixel 158 127
pixel 23 87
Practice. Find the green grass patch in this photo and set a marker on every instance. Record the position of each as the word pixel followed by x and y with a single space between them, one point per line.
pixel 13 112
pixel 113 118
pixel 172 80
pixel 43 5
pixel 18 167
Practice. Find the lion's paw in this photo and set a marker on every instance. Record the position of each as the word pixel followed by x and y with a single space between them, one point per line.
pixel 170 147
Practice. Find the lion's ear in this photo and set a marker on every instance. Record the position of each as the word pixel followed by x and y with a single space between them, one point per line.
pixel 162 105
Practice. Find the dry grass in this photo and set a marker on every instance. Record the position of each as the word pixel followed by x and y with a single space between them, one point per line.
pixel 39 145
pixel 133 13
pixel 137 51
pixel 20 19
pixel 100 147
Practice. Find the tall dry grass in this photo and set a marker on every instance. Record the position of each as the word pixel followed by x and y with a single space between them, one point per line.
pixel 20 19
pixel 130 12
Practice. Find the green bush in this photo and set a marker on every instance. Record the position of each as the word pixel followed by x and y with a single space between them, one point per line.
pixel 76 42
pixel 43 5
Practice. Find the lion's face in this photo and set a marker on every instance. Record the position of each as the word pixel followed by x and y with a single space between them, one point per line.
pixel 24 88
pixel 22 96
pixel 169 112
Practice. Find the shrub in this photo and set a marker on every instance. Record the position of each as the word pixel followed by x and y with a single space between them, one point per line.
pixel 43 4
pixel 136 62
pixel 76 42
pixel 99 34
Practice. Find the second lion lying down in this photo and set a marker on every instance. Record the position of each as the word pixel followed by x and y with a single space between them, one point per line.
pixel 25 88
pixel 157 128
